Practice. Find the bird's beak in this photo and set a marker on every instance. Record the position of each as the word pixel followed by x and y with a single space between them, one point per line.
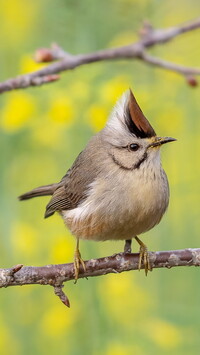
pixel 160 140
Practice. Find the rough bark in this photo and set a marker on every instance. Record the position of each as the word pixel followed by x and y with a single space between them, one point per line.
pixel 56 275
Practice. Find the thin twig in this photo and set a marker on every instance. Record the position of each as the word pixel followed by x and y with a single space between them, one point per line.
pixel 149 37
pixel 181 69
pixel 63 297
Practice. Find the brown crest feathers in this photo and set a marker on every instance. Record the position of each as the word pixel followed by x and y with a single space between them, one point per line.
pixel 136 121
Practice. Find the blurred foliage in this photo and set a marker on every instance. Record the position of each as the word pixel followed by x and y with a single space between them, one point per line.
pixel 41 132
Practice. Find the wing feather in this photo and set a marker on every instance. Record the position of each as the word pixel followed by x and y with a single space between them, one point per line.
pixel 73 187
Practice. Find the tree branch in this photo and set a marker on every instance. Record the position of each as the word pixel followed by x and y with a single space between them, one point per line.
pixel 149 37
pixel 56 275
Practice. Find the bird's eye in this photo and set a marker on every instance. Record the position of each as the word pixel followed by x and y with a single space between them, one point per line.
pixel 134 147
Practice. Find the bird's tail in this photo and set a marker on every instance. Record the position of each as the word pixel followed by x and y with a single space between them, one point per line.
pixel 39 191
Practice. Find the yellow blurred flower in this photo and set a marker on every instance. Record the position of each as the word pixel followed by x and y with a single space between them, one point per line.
pixel 17 19
pixel 18 109
pixel 170 117
pixel 47 134
pixel 164 334
pixel 57 320
pixel 63 248
pixel 113 291
pixel 61 110
pixel 111 91
pixel 24 239
pixel 80 90
pixel 97 116
pixel 28 64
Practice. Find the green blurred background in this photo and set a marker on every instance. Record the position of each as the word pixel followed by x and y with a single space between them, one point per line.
pixel 41 132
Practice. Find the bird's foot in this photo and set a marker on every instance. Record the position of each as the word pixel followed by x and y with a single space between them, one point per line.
pixel 77 262
pixel 144 257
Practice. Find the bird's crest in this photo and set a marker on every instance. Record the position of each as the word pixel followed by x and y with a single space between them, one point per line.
pixel 136 121
pixel 127 120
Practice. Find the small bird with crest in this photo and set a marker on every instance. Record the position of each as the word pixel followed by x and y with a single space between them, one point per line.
pixel 116 189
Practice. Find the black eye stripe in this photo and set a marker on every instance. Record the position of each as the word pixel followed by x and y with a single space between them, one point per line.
pixel 143 158
pixel 134 147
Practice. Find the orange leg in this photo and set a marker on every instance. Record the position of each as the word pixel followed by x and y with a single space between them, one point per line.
pixel 78 261
pixel 144 257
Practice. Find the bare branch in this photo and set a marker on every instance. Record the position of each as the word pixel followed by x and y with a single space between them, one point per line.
pixel 55 275
pixel 170 66
pixel 149 37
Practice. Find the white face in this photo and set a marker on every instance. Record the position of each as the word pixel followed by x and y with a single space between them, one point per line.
pixel 135 153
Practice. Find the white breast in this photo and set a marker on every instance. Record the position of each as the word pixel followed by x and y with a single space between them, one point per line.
pixel 121 205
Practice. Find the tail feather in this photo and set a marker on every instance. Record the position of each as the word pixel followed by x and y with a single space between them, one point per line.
pixel 39 191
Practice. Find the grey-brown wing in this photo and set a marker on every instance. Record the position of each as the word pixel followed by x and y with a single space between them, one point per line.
pixel 73 187
pixel 62 199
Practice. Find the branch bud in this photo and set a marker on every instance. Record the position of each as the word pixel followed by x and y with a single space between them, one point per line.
pixel 192 81
pixel 44 55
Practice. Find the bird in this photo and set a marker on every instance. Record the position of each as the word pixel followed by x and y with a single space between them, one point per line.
pixel 116 188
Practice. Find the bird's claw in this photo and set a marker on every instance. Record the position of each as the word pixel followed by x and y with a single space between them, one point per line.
pixel 77 262
pixel 144 259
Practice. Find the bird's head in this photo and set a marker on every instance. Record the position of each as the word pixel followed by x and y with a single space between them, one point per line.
pixel 130 138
